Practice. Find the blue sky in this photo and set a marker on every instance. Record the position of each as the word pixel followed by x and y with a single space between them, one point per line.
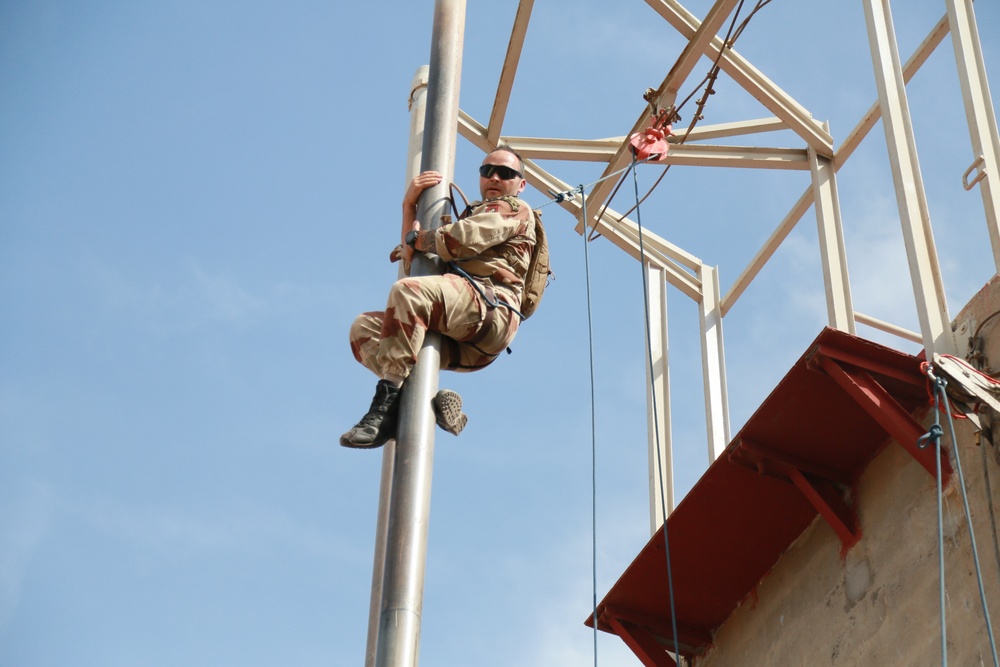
pixel 197 198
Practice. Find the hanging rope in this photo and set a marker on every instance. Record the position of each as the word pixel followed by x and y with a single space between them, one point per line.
pixel 558 198
pixel 656 422
pixel 593 425
pixel 569 195
pixel 732 34
pixel 935 433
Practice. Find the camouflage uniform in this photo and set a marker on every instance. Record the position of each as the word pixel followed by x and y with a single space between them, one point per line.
pixel 493 243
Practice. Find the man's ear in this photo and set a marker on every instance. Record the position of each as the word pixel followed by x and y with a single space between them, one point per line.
pixel 521 187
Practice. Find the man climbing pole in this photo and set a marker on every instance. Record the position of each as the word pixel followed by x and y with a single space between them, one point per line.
pixel 474 306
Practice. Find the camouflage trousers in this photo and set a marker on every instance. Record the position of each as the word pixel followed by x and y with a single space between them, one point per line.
pixel 387 342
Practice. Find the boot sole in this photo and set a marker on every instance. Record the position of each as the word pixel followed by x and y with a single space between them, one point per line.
pixel 345 442
pixel 448 411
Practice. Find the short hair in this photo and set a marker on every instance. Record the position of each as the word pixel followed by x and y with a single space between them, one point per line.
pixel 505 147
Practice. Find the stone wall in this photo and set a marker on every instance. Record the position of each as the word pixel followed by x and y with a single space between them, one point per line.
pixel 879 604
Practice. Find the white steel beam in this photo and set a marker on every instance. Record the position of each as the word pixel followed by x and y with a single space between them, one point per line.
pixel 602 150
pixel 617 229
pixel 661 467
pixel 980 114
pixel 713 364
pixel 509 70
pixel 888 328
pixel 874 113
pixel 567 150
pixel 925 273
pixel 746 157
pixel 767 250
pixel 698 41
pixel 752 80
pixel 687 154
pixel 840 311
pixel 625 234
pixel 735 129
pixel 854 139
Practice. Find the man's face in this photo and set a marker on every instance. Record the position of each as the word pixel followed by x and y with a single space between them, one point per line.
pixel 495 186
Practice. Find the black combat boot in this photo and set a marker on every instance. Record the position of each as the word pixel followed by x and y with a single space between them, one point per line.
pixel 379 424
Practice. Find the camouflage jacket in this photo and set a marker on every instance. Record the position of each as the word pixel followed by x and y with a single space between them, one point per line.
pixel 492 240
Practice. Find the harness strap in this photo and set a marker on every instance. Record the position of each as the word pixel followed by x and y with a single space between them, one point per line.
pixel 485 291
pixel 454 352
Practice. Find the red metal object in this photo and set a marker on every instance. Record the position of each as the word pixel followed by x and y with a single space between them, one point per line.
pixel 651 144
pixel 642 643
pixel 793 460
pixel 818 485
pixel 877 402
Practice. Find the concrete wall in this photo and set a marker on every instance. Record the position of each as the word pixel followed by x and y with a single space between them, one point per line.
pixel 879 603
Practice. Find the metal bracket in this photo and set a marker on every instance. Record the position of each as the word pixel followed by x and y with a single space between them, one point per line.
pixel 817 485
pixel 650 652
pixel 651 638
pixel 885 410
pixel 978 164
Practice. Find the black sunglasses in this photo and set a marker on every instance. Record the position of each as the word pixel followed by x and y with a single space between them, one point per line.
pixel 505 173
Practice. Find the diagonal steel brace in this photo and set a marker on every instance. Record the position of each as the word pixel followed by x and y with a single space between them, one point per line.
pixel 650 652
pixel 814 482
pixel 886 411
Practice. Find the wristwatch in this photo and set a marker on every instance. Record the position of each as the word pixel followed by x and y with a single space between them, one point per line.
pixel 411 238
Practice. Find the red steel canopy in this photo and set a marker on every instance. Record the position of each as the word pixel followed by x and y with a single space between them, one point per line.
pixel 796 458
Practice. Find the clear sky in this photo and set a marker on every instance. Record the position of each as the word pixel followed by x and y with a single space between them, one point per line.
pixel 196 199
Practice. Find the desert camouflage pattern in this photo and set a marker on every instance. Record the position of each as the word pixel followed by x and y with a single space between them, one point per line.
pixel 494 243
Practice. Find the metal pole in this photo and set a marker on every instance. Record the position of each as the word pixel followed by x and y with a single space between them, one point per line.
pixel 979 112
pixel 417 106
pixel 925 273
pixel 658 421
pixel 409 503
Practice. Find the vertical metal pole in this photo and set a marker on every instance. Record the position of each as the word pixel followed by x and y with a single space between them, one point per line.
pixel 661 475
pixel 409 504
pixel 840 309
pixel 713 362
pixel 979 112
pixel 418 106
pixel 925 273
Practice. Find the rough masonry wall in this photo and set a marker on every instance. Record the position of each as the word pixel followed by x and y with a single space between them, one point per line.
pixel 879 604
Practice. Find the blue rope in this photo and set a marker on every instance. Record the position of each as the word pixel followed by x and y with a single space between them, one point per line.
pixel 935 433
pixel 940 384
pixel 593 425
pixel 656 422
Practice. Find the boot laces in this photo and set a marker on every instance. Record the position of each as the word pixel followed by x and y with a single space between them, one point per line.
pixel 377 410
pixel 370 419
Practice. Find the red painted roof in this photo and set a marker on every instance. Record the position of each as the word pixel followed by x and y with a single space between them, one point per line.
pixel 731 528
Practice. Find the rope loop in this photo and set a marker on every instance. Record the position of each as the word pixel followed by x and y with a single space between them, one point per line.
pixel 933 435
